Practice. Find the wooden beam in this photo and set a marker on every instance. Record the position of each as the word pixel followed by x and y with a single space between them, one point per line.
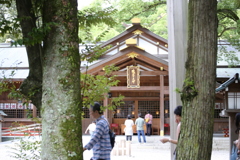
pixel 142 73
pixel 112 60
pixel 146 65
pixel 220 96
pixel 143 98
pixel 142 88
pixel 125 64
pixel 9 101
pixel 154 63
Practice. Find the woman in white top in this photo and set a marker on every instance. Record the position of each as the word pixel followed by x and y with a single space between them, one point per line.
pixel 128 128
pixel 91 128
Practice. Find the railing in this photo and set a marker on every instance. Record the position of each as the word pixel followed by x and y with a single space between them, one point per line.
pixel 27 130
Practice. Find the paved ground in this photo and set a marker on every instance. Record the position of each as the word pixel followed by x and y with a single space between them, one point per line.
pixel 153 150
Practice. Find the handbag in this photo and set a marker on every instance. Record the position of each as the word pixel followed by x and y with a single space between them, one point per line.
pixel 147 120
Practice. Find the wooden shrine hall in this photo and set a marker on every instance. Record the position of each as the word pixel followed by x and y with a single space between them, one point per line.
pixel 142 58
pixel 143 75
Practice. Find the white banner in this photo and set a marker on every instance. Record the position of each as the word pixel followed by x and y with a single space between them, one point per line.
pixel 13 106
pixel 7 106
pixel 1 105
pixel 20 106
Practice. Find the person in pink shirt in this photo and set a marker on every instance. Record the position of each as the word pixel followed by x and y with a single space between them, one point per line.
pixel 148 119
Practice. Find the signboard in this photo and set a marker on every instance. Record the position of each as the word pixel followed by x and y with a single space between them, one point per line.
pixel 133 77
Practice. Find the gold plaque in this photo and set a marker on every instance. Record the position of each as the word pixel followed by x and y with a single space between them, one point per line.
pixel 131 41
pixel 133 77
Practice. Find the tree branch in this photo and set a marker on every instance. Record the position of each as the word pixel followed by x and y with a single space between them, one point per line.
pixel 226 29
pixel 146 8
pixel 228 13
pixel 32 85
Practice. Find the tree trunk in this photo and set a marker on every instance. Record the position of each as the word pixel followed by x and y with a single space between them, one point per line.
pixel 32 85
pixel 198 94
pixel 61 106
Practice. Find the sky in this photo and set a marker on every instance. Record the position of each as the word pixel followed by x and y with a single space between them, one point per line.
pixel 83 3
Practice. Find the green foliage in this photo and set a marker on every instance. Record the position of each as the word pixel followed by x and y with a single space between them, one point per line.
pixel 4 86
pixel 189 91
pixel 229 30
pixel 9 23
pixel 228 56
pixel 228 16
pixel 178 90
pixel 92 52
pixel 28 147
pixel 138 8
pixel 9 26
pixel 7 85
pixel 90 18
pixel 6 82
pixel 95 88
pixel 27 150
pixel 37 34
pixel 152 14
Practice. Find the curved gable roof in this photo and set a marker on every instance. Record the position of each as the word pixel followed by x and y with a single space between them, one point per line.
pixel 135 29
pixel 122 59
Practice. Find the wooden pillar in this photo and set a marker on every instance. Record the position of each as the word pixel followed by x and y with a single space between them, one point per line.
pixel 177 49
pixel 34 111
pixel 136 109
pixel 161 105
pixel 105 113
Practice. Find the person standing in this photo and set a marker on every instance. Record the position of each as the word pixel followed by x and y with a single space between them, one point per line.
pixel 178 115
pixel 148 119
pixel 140 131
pixel 128 128
pixel 236 144
pixel 100 140
pixel 91 128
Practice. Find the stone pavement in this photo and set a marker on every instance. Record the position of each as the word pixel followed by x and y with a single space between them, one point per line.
pixel 156 150
pixel 153 149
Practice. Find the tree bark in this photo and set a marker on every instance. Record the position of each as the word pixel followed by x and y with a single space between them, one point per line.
pixel 61 107
pixel 198 94
pixel 32 85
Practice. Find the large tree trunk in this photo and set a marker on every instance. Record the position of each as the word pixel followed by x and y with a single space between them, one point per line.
pixel 32 85
pixel 198 94
pixel 61 111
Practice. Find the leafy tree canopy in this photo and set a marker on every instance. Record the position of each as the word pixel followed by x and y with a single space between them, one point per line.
pixel 229 30
pixel 88 18
pixel 153 15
